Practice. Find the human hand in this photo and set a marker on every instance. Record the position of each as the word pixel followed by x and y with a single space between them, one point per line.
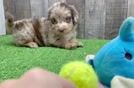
pixel 37 78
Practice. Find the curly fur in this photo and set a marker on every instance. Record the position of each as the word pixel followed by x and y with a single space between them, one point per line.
pixel 59 29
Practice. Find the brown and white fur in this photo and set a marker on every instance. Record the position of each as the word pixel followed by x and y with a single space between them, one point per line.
pixel 59 29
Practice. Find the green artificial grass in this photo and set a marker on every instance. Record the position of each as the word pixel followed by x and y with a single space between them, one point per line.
pixel 14 61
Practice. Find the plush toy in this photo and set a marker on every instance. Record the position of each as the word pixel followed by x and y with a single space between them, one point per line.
pixel 122 82
pixel 81 74
pixel 117 56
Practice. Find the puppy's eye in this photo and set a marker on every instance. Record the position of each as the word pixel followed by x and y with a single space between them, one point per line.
pixel 68 19
pixel 53 21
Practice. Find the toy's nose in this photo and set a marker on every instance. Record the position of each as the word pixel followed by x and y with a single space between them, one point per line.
pixel 128 56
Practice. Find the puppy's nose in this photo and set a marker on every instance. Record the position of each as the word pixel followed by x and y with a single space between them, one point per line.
pixel 61 30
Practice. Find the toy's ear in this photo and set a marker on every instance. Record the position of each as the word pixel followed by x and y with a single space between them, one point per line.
pixel 127 29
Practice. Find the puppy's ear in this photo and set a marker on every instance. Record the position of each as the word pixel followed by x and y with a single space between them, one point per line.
pixel 75 14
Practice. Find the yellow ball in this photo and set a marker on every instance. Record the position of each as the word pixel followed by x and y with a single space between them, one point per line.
pixel 81 74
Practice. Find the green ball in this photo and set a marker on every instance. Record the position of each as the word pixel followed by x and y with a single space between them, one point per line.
pixel 81 74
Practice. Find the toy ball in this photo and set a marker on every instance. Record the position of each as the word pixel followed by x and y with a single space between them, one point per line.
pixel 81 74
pixel 117 56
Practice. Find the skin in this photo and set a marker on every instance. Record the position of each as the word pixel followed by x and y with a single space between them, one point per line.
pixel 37 78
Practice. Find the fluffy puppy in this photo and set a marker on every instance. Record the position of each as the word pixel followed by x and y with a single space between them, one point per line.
pixel 64 20
pixel 59 29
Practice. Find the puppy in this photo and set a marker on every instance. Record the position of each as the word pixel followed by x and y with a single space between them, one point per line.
pixel 59 29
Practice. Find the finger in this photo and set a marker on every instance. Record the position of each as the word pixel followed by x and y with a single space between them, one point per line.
pixel 45 79
pixel 8 84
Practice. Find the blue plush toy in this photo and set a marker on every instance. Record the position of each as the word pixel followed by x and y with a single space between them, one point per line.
pixel 117 56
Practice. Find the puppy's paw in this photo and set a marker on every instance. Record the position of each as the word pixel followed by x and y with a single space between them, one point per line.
pixel 32 45
pixel 80 44
pixel 70 45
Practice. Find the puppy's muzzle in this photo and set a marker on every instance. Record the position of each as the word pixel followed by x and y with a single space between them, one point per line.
pixel 62 27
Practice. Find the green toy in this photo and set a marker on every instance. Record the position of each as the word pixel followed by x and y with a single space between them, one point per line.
pixel 81 74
